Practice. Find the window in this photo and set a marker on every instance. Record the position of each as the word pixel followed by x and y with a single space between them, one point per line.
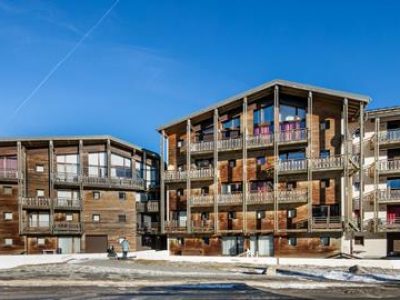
pixel 67 195
pixel 179 144
pixel 8 242
pixel 291 185
pixel 68 217
pixel 121 166
pixel 356 186
pixel 39 168
pixel 231 215
pixel 260 214
pixel 356 133
pixel 122 218
pixel 205 216
pixel 122 196
pixel 292 241
pixel 394 183
pixel 98 164
pixel 261 186
pixel 290 113
pixel 41 241
pixel 232 124
pixel 232 163
pixel 359 240
pixel 8 163
pixel 261 161
pixel 179 192
pixel 324 154
pixel 288 155
pixel 325 241
pixel 205 190
pixel 8 216
pixel 96 195
pixel 227 188
pixel 7 190
pixel 40 193
pixel 324 183
pixel 325 124
pixel 68 166
pixel 206 240
pixel 96 218
pixel 291 213
pixel 203 163
pixel 264 115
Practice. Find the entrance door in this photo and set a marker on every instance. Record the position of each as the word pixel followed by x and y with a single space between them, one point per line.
pixel 266 245
pixel 96 243
pixel 253 245
pixel 65 244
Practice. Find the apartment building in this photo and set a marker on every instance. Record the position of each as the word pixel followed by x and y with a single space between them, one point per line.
pixel 269 171
pixel 76 194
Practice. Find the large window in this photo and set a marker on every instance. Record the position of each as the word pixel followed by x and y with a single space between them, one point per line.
pixel 120 166
pixel 8 163
pixel 394 183
pixel 231 128
pixel 228 188
pixel 263 120
pixel 289 155
pixel 261 186
pixel 41 219
pixel 67 195
pixel 68 165
pixel 98 164
pixel 292 117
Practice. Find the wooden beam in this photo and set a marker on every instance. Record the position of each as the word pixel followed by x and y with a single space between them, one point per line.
pixel 216 181
pixel 244 163
pixel 309 154
pixel 361 170
pixel 376 170
pixel 276 156
pixel 109 158
pixel 163 209
pixel 188 169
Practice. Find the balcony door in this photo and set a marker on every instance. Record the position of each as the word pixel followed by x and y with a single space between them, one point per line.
pixel 98 164
pixel 40 219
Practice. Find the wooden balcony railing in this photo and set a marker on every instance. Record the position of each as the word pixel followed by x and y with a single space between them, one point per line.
pixel 388 195
pixel 8 174
pixel 389 136
pixel 197 147
pixel 293 136
pixel 36 203
pixel 389 224
pixel 258 197
pixel 175 226
pixel 148 227
pixel 62 203
pixel 262 140
pixel 148 206
pixel 389 166
pixel 67 227
pixel 332 162
pixel 202 200
pixel 203 173
pixel 134 183
pixel 230 199
pixel 38 227
pixel 292 165
pixel 326 223
pixel 171 175
pixel 293 196
pixel 202 226
pixel 230 144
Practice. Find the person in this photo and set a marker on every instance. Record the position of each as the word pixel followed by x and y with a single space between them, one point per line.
pixel 125 248
pixel 111 252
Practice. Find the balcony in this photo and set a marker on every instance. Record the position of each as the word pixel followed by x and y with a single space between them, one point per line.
pixel 327 223
pixel 35 203
pixel 149 227
pixel 293 196
pixel 201 147
pixel 67 227
pixel 389 224
pixel 148 206
pixel 67 204
pixel 128 183
pixel 8 174
pixel 327 163
pixel 196 174
pixel 293 165
pixel 230 199
pixel 202 200
pixel 387 196
pixel 175 226
pixel 37 227
pixel 389 137
pixel 256 141
pixel 389 166
pixel 230 144
pixel 67 178
pixel 259 197
pixel 203 226
pixel 293 136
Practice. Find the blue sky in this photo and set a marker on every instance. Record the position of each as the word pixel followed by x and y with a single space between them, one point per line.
pixel 150 62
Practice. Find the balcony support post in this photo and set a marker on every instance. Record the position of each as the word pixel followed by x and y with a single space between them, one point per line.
pixel 20 183
pixel 163 207
pixel 51 183
pixel 361 164
pixel 376 171
pixel 109 160
pixel 188 171
pixel 244 163
pixel 309 154
pixel 345 145
pixel 145 169
pixel 276 157
pixel 80 172
pixel 215 165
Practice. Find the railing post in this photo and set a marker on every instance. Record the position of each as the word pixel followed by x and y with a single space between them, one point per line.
pixel 188 170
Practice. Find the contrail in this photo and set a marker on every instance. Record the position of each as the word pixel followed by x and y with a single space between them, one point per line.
pixel 60 63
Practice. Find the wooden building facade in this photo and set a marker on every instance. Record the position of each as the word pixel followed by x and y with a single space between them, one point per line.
pixel 76 194
pixel 268 171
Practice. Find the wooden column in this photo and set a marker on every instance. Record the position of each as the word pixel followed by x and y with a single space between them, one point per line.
pixel 20 184
pixel 347 199
pixel 361 170
pixel 244 164
pixel 216 182
pixel 309 154
pixel 276 157
pixel 376 170
pixel 51 182
pixel 80 149
pixel 188 171
pixel 109 159
pixel 144 157
pixel 163 207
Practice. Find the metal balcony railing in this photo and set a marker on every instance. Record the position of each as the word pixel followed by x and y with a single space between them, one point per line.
pixel 292 196
pixel 292 165
pixel 332 222
pixel 293 135
pixel 203 173
pixel 202 200
pixel 36 203
pixel 230 199
pixel 66 177
pixel 8 173
pixel 67 227
pixel 388 195
pixel 230 144
pixel 202 226
pixel 389 136
pixel 326 163
pixel 259 197
pixel 64 203
pixel 201 147
pixel 389 165
pixel 262 140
